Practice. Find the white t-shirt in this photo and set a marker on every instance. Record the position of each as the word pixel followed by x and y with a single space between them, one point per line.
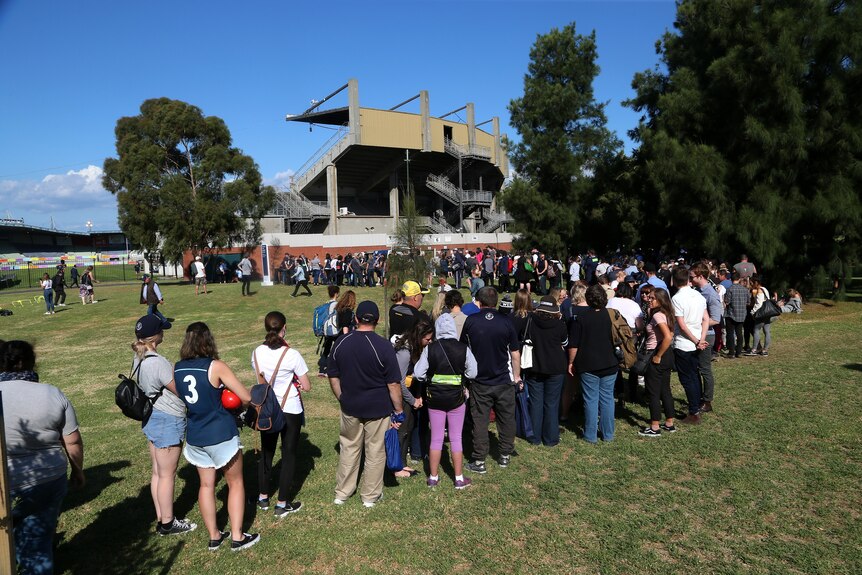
pixel 199 267
pixel 602 268
pixel 575 271
pixel 689 305
pixel 290 365
pixel 627 308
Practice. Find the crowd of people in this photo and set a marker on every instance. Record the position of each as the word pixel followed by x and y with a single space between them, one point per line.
pixel 54 286
pixel 360 269
pixel 436 377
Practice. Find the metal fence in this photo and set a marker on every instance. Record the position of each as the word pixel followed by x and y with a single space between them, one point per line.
pixel 27 274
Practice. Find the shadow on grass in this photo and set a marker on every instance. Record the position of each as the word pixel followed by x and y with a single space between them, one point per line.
pixel 853 366
pixel 121 536
pixel 98 478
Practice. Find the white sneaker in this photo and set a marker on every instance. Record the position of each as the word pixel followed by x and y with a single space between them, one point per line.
pixel 374 502
pixel 338 501
pixel 49 313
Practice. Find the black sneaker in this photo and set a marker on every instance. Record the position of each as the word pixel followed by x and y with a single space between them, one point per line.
pixel 649 432
pixel 477 467
pixel 263 504
pixel 248 539
pixel 668 428
pixel 504 461
pixel 750 353
pixel 282 512
pixel 216 543
pixel 177 527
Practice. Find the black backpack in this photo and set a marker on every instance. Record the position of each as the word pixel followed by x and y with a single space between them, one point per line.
pixel 131 400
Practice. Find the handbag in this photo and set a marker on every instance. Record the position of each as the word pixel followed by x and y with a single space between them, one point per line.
pixel 526 347
pixel 523 421
pixel 644 357
pixel 768 310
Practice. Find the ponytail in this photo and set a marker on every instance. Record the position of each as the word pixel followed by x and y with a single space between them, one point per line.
pixel 274 323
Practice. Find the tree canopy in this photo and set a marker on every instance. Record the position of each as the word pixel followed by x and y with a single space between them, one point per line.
pixel 563 137
pixel 180 184
pixel 751 135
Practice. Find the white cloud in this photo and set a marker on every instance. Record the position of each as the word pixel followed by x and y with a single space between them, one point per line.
pixel 64 196
pixel 281 179
pixel 73 190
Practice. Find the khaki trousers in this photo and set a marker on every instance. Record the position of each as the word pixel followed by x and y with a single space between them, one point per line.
pixel 356 434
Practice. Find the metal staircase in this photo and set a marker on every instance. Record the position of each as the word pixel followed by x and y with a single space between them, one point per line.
pixel 493 220
pixel 324 156
pixel 437 224
pixel 296 207
pixel 473 152
pixel 449 191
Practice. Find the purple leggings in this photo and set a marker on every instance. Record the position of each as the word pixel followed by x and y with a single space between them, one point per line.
pixel 456 424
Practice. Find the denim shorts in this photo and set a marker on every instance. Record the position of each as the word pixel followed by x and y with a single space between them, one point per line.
pixel 212 456
pixel 165 430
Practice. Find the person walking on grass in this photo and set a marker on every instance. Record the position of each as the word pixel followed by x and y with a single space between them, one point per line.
pixel 47 293
pixel 300 279
pixel 59 286
pixel 151 296
pixel 166 428
pixel 200 276
pixel 282 366
pixel 212 442
pixel 365 379
pixel 244 271
pixel 86 290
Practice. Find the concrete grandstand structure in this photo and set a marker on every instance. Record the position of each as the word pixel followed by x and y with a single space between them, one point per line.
pixel 349 194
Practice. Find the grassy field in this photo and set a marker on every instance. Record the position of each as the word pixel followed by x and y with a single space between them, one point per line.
pixel 770 483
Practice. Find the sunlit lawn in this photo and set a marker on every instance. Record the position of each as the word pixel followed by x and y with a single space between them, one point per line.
pixel 770 483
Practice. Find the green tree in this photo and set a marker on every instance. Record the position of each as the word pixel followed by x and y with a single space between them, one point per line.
pixel 181 185
pixel 563 137
pixel 749 139
pixel 405 261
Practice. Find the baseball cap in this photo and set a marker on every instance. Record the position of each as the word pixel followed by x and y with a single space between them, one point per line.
pixel 149 325
pixel 197 258
pixel 412 288
pixel 367 312
pixel 548 305
pixel 145 277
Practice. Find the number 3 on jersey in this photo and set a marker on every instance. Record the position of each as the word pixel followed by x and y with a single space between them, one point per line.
pixel 192 397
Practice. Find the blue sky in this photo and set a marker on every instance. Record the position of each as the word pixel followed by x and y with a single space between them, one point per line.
pixel 71 69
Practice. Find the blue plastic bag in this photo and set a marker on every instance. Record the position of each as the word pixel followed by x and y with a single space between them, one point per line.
pixel 393 446
pixel 523 421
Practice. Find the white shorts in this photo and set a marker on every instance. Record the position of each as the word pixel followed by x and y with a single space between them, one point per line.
pixel 212 456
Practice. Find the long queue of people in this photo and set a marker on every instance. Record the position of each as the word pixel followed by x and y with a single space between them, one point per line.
pixel 437 377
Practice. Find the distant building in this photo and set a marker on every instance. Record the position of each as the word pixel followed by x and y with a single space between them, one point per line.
pixel 354 184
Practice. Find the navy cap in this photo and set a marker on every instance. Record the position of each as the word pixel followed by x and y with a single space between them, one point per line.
pixel 367 312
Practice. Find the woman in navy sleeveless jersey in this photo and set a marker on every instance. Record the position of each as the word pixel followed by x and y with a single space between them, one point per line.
pixel 212 439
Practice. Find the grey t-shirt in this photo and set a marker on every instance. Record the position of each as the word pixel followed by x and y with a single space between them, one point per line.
pixel 156 372
pixel 37 416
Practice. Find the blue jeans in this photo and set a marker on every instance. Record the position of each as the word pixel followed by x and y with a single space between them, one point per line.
pixel 315 276
pixel 34 520
pixel 687 366
pixel 545 393
pixel 598 395
pixel 154 310
pixel 48 294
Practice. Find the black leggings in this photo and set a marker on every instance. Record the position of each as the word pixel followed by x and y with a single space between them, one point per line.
pixel 59 296
pixel 658 387
pixel 246 284
pixel 289 443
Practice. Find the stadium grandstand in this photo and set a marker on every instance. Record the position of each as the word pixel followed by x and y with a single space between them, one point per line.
pixel 350 192
pixel 28 251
